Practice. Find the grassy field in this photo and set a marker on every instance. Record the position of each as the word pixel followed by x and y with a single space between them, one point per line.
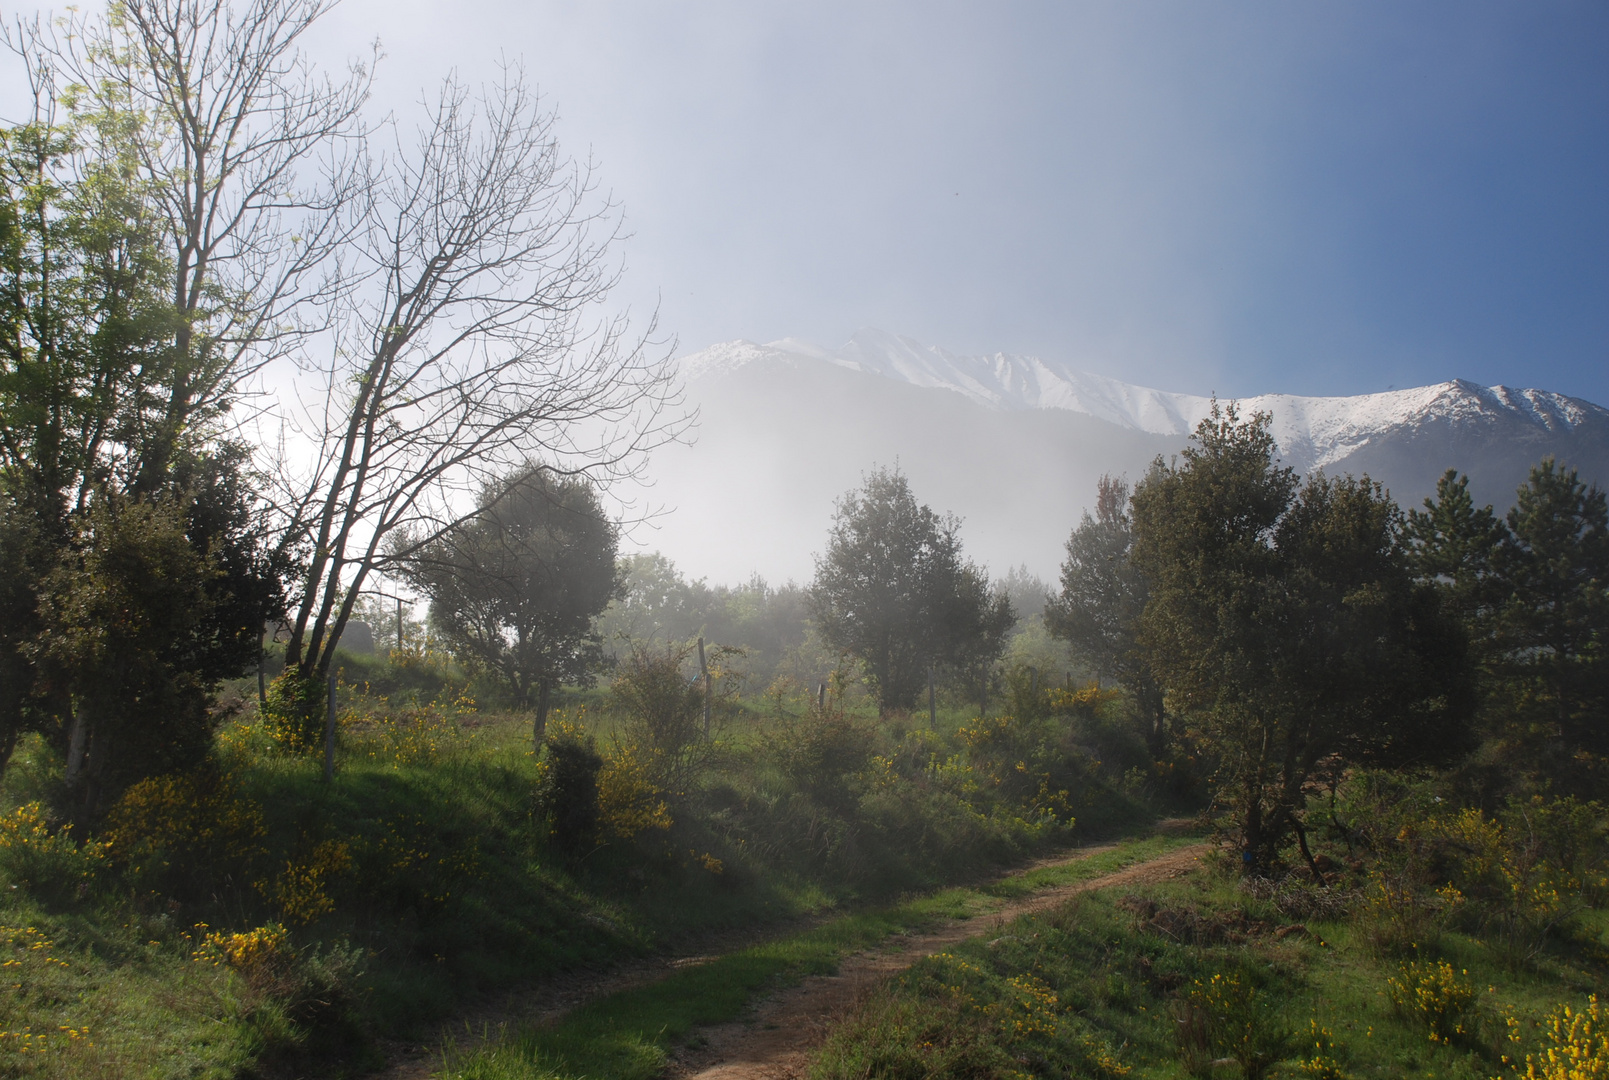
pixel 1198 977
pixel 254 918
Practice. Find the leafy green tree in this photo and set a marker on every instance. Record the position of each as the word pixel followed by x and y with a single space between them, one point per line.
pixel 1098 610
pixel 517 587
pixel 99 651
pixel 1284 620
pixel 893 591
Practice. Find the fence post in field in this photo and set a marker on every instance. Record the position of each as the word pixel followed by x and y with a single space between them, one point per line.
pixel 704 670
pixel 329 735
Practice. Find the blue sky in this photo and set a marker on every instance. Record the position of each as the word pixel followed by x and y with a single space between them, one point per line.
pixel 1318 198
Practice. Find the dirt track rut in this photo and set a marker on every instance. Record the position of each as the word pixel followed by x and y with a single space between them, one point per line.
pixel 776 1042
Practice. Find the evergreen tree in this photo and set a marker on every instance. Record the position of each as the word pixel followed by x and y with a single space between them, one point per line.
pixel 1532 589
pixel 1098 610
pixel 1285 621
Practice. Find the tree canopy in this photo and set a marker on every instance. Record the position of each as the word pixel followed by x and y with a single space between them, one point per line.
pixel 1284 620
pixel 893 590
pixel 517 587
pixel 1532 588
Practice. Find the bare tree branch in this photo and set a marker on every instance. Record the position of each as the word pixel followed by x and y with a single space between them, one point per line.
pixel 473 348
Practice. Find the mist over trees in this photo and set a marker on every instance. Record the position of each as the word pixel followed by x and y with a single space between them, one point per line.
pixel 893 591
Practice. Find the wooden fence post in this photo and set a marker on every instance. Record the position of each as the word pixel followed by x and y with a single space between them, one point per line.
pixel 329 735
pixel 704 670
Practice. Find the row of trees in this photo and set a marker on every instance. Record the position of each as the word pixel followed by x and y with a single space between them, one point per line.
pixel 1287 631
pixel 193 213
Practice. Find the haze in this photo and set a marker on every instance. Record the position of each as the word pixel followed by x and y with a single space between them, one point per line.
pixel 1306 199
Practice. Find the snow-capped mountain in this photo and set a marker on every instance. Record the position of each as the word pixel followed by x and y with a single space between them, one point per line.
pixel 1015 445
pixel 1312 432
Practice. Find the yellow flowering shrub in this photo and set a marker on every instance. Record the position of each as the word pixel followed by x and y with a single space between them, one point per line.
pixel 1225 1017
pixel 301 891
pixel 1577 1046
pixel 1323 1063
pixel 1436 996
pixel 408 735
pixel 34 856
pixel 248 951
pixel 629 802
pixel 1083 699
pixel 172 833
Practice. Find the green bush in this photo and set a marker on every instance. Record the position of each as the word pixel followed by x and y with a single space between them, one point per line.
pixel 46 862
pixel 569 788
pixel 294 712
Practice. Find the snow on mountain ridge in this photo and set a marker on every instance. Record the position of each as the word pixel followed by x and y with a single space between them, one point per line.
pixel 1312 432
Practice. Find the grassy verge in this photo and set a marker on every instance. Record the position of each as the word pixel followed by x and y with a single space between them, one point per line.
pixel 1198 978
pixel 431 872
pixel 628 1035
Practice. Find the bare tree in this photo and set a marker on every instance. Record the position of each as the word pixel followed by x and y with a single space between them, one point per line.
pixel 473 348
pixel 251 160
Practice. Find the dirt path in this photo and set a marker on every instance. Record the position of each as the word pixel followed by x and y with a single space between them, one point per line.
pixel 775 1043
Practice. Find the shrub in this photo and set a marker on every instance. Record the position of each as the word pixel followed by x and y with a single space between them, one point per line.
pixel 302 890
pixel 179 834
pixel 294 712
pixel 48 864
pixel 259 954
pixel 822 754
pixel 1225 1017
pixel 629 802
pixel 1324 1063
pixel 1577 1046
pixel 401 737
pixel 662 714
pixel 569 786
pixel 1437 998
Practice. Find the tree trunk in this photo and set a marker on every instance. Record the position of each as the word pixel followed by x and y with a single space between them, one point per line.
pixel 1301 840
pixel 77 746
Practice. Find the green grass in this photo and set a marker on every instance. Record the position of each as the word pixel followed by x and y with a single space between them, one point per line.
pixel 628 1035
pixel 134 1006
pixel 452 893
pixel 1120 963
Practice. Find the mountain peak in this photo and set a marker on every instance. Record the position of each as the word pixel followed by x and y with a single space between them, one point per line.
pixel 1312 432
